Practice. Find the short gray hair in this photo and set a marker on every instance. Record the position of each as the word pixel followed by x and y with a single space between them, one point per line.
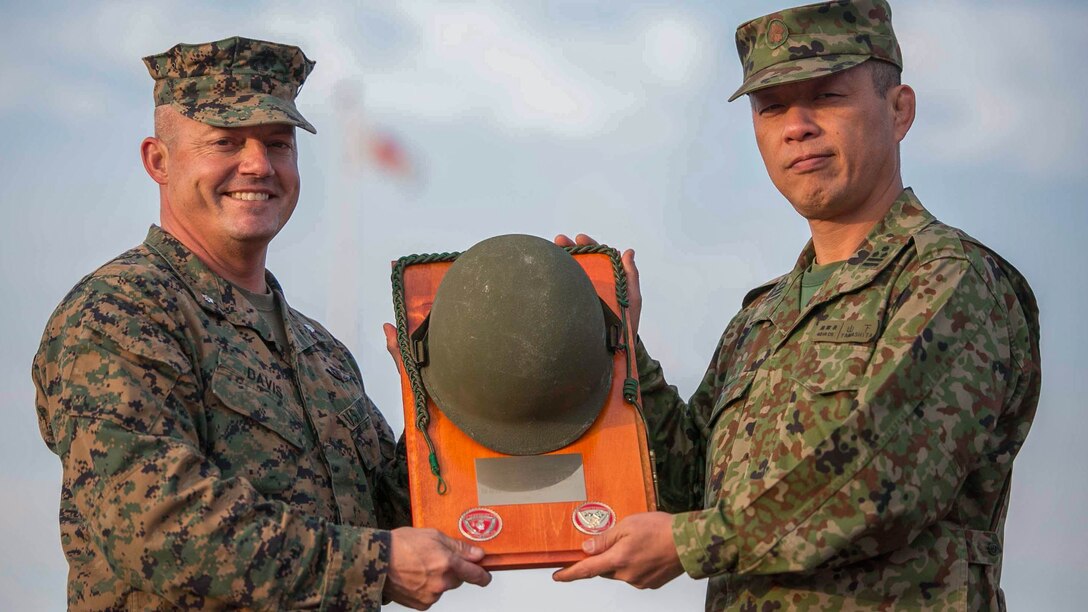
pixel 885 76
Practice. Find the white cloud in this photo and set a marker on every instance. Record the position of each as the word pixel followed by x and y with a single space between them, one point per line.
pixel 491 63
pixel 674 49
pixel 444 62
pixel 67 98
pixel 486 61
pixel 990 89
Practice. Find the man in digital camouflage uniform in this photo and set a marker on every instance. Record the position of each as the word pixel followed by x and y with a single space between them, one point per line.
pixel 218 447
pixel 851 444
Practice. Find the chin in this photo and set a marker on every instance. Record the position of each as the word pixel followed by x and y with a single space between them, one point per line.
pixel 255 232
pixel 810 207
pixel 817 204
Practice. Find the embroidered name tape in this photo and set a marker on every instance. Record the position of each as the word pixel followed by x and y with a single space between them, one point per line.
pixel 843 331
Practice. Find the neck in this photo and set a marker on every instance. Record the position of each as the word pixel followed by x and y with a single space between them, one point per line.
pixel 838 238
pixel 242 266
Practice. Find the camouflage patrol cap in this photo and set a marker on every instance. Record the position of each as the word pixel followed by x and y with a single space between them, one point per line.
pixel 232 82
pixel 814 40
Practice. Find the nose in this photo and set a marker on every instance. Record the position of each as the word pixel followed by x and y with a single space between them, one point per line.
pixel 800 124
pixel 255 160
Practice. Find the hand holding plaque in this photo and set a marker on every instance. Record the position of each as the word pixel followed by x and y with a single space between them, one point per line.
pixel 523 431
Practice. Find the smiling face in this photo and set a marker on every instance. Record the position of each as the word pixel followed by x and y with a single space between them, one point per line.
pixel 831 144
pixel 224 190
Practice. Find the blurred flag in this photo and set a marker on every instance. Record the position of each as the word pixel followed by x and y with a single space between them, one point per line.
pixel 387 154
pixel 366 146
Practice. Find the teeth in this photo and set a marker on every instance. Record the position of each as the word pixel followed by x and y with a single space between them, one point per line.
pixel 251 196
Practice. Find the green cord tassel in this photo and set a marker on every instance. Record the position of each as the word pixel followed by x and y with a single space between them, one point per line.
pixel 630 390
pixel 441 488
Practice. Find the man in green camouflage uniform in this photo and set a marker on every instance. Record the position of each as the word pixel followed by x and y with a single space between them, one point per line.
pixel 218 447
pixel 852 441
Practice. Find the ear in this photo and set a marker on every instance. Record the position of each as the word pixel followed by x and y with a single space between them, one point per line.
pixel 904 105
pixel 154 154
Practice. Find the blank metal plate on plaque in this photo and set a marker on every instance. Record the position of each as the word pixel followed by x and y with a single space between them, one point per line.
pixel 534 479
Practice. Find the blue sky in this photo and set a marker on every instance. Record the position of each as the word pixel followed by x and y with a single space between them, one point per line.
pixel 544 117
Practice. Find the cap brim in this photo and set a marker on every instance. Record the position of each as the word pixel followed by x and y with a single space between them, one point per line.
pixel 245 110
pixel 793 71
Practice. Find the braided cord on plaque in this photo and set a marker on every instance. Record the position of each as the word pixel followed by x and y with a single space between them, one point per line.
pixel 630 383
pixel 411 367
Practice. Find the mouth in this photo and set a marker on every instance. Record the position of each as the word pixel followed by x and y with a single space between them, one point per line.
pixel 810 161
pixel 248 196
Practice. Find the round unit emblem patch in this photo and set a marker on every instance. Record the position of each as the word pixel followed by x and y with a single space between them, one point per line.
pixel 593 518
pixel 480 524
pixel 777 33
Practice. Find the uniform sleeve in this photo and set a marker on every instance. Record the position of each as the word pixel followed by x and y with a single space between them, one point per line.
pixel 119 403
pixel 923 418
pixel 679 431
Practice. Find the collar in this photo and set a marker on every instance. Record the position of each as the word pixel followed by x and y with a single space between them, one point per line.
pixel 215 294
pixel 888 237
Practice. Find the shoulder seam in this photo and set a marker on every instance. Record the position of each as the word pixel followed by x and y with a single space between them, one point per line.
pixel 925 250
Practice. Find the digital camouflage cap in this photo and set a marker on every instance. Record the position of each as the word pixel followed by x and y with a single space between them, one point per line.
pixel 814 40
pixel 232 82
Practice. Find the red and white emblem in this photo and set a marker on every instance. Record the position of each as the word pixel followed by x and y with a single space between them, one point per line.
pixel 480 524
pixel 593 517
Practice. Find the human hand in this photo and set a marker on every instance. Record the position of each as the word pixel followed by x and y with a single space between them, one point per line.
pixel 392 346
pixel 424 564
pixel 634 293
pixel 639 550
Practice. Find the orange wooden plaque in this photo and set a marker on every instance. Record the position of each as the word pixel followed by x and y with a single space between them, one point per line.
pixel 615 456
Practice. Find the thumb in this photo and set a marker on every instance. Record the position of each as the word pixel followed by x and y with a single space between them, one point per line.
pixel 634 291
pixel 391 340
pixel 598 544
pixel 465 550
pixel 391 344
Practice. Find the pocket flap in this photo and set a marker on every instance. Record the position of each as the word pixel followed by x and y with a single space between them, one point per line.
pixel 356 418
pixel 830 368
pixel 732 391
pixel 237 393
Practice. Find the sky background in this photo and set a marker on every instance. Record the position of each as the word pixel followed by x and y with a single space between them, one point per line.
pixel 543 117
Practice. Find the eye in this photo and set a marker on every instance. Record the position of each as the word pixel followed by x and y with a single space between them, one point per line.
pixel 770 109
pixel 826 95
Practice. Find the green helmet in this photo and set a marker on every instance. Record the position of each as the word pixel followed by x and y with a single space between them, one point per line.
pixel 517 347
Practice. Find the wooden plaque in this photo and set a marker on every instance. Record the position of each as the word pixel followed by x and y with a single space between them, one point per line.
pixel 616 462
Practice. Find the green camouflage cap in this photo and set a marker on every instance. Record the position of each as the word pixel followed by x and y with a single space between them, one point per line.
pixel 232 82
pixel 814 40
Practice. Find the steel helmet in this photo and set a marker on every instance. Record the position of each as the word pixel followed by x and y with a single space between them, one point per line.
pixel 517 346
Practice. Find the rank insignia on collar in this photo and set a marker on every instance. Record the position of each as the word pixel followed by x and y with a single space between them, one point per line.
pixel 877 257
pixel 480 524
pixel 593 518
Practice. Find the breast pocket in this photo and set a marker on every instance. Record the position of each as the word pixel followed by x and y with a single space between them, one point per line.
pixel 732 392
pixel 357 418
pixel 826 386
pixel 820 404
pixel 809 407
pixel 255 436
